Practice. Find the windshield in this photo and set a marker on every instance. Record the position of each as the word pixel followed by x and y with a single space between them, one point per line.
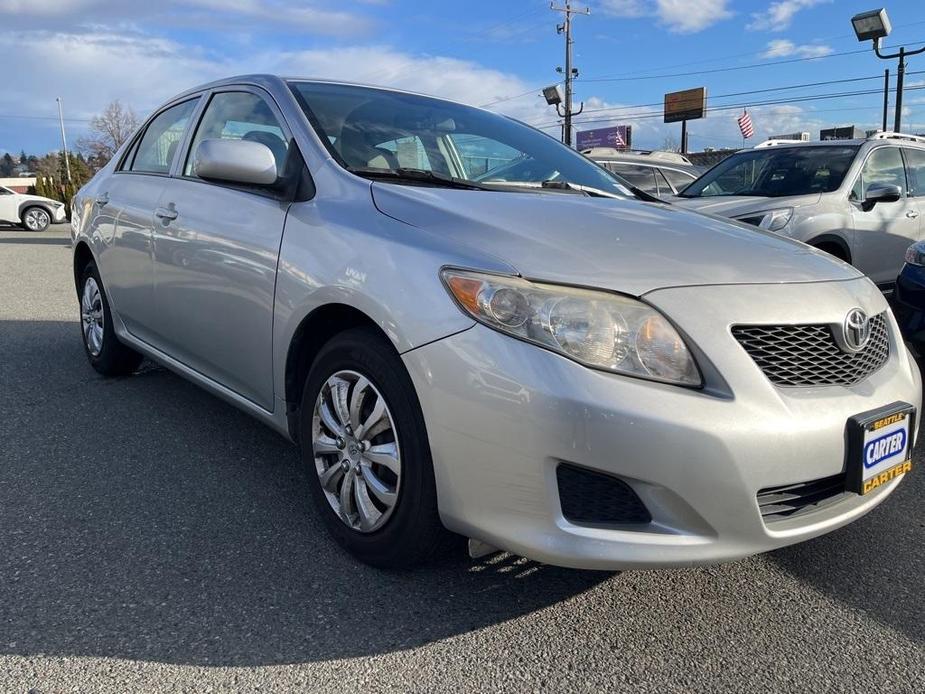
pixel 375 130
pixel 776 172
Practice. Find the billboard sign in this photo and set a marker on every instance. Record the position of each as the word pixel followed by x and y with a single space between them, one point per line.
pixel 618 137
pixel 689 104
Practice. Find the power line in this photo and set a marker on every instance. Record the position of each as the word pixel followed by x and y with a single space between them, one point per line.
pixel 734 107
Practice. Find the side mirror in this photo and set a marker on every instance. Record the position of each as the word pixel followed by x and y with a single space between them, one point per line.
pixel 881 192
pixel 235 161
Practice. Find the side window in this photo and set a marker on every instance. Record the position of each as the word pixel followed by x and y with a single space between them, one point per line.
pixel 678 179
pixel 159 144
pixel 5 191
pixel 915 168
pixel 240 116
pixel 643 177
pixel 883 166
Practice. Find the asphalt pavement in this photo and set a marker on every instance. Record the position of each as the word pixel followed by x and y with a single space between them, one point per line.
pixel 153 538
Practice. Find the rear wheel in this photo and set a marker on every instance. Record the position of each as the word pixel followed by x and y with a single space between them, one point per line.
pixel 366 451
pixel 36 218
pixel 106 354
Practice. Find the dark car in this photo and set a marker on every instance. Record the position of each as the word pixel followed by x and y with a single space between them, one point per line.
pixel 909 298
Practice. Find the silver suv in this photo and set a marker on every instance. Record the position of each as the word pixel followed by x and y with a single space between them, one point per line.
pixel 662 174
pixel 860 200
pixel 540 364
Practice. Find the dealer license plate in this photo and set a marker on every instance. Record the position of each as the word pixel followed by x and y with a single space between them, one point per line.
pixel 880 447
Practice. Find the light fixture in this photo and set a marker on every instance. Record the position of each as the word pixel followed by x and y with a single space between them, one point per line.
pixel 873 25
pixel 552 95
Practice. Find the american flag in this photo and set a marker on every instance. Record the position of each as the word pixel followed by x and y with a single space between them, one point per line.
pixel 745 125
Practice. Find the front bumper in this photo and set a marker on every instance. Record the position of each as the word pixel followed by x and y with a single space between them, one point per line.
pixel 503 414
pixel 59 214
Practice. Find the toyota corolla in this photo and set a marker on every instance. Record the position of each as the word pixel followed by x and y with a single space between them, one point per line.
pixel 551 364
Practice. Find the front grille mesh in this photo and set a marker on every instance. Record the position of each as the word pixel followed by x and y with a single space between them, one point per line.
pixel 808 355
pixel 593 497
pixel 780 503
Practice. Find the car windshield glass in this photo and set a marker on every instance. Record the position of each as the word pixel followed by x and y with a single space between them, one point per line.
pixel 776 172
pixel 369 130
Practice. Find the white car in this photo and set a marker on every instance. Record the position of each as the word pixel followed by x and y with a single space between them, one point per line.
pixel 32 212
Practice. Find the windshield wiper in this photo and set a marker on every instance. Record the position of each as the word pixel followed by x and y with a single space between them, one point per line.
pixel 415 176
pixel 598 193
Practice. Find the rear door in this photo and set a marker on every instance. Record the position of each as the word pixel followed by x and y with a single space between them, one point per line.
pixel 885 231
pixel 915 172
pixel 215 254
pixel 124 218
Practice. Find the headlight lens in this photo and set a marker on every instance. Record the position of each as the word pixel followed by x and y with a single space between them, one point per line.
pixel 772 220
pixel 598 329
pixel 915 254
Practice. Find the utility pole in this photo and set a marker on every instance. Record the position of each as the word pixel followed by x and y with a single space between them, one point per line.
pixel 570 72
pixel 67 160
pixel 886 95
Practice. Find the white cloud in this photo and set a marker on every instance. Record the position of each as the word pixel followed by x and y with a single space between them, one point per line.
pixel 679 16
pixel 782 48
pixel 778 15
pixel 309 17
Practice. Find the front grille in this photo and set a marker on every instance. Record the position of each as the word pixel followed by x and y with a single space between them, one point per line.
pixel 780 503
pixel 808 355
pixel 592 497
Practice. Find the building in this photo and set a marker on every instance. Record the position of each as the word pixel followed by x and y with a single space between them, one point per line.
pixel 20 184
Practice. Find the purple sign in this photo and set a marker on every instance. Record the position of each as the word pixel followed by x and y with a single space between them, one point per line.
pixel 618 136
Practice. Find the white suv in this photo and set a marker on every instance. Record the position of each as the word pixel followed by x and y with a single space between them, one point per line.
pixel 859 200
pixel 32 212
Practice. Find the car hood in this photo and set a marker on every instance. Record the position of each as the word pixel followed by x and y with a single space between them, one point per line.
pixel 622 245
pixel 38 198
pixel 738 205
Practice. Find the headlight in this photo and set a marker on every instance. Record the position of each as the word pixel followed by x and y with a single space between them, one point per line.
pixel 601 330
pixel 915 254
pixel 772 220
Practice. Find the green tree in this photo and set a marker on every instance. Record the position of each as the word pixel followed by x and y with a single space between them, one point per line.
pixel 6 165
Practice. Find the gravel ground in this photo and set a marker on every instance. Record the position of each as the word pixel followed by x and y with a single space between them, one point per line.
pixel 154 538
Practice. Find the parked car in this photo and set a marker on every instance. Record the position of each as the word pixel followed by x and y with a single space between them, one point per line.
pixel 663 174
pixel 32 212
pixel 909 299
pixel 564 372
pixel 860 200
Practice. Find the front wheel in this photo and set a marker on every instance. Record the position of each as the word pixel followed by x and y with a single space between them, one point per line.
pixel 365 447
pixel 36 219
pixel 106 354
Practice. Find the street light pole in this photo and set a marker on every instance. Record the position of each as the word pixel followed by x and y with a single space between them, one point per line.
pixel 67 160
pixel 570 73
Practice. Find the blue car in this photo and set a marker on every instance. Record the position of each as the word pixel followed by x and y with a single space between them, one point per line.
pixel 909 298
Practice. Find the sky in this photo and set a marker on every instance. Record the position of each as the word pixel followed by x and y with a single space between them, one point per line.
pixel 496 54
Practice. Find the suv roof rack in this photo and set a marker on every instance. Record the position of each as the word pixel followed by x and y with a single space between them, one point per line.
pixel 654 154
pixel 896 136
pixel 778 141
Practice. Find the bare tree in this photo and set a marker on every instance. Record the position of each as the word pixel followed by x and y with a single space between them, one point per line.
pixel 671 144
pixel 108 131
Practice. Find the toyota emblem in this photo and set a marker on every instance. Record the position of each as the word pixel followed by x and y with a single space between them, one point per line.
pixel 856 330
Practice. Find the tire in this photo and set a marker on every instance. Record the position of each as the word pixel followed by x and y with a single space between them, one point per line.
pixel 104 351
pixel 409 532
pixel 36 219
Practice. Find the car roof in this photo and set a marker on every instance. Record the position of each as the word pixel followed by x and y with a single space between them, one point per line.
pixel 643 159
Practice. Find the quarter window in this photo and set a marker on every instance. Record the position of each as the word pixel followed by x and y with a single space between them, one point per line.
pixel 915 168
pixel 884 166
pixel 241 116
pixel 678 180
pixel 643 177
pixel 159 144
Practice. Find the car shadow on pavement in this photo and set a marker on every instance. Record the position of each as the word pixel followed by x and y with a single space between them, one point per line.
pixel 143 518
pixel 877 564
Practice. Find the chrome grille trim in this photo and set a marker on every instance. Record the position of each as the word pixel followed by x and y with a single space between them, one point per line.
pixel 809 355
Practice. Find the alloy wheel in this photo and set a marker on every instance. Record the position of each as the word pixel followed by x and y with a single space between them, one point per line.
pixel 92 317
pixel 356 452
pixel 36 219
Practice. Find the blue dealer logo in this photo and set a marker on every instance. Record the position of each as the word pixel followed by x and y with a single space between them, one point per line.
pixel 884 447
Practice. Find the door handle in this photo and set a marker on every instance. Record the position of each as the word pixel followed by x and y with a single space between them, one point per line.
pixel 167 213
pixel 102 199
pixel 912 214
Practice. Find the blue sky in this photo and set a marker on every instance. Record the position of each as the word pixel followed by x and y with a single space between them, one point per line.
pixel 629 52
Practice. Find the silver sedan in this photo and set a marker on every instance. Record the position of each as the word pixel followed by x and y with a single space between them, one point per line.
pixel 551 363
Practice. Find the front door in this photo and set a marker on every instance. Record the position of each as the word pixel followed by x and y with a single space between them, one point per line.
pixel 885 231
pixel 124 218
pixel 215 255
